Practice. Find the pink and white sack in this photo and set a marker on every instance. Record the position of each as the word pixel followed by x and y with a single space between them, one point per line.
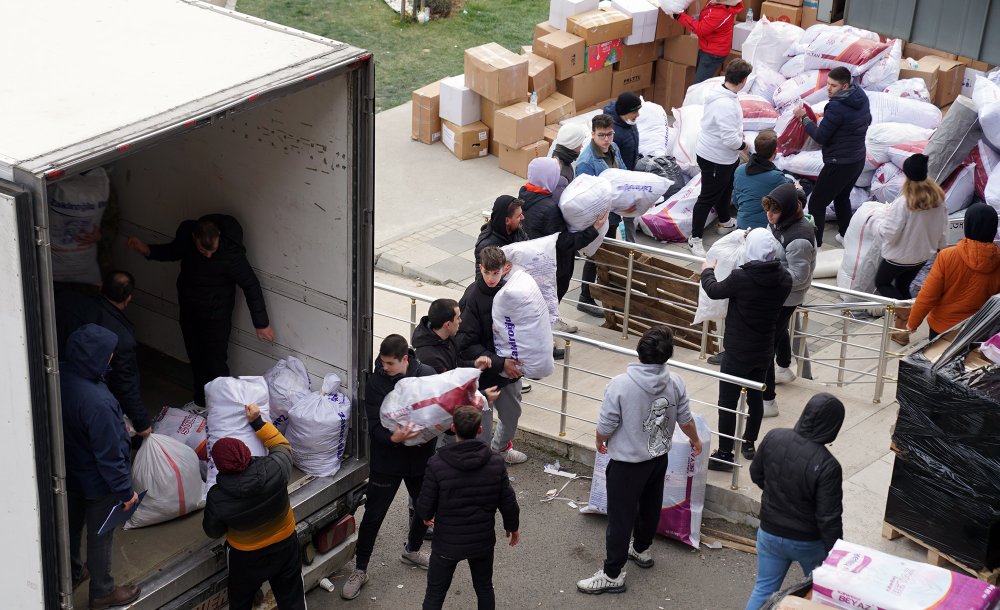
pixel 844 48
pixel 909 88
pixel 758 113
pixel 885 71
pixel 808 87
pixel 671 221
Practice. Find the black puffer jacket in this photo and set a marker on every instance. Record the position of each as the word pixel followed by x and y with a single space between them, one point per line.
pixel 206 287
pixel 801 479
pixel 388 457
pixel 542 218
pixel 756 291
pixel 466 483
pixel 494 232
pixel 437 353
pixel 475 334
pixel 626 137
pixel 842 131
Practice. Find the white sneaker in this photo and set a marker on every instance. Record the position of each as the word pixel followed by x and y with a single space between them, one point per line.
pixel 770 408
pixel 563 327
pixel 783 374
pixel 696 246
pixel 839 238
pixel 513 456
pixel 726 228
pixel 600 583
pixel 421 559
pixel 643 559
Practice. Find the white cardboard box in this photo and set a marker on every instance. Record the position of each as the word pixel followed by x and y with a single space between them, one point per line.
pixel 740 32
pixel 643 16
pixel 560 10
pixel 459 104
pixel 969 80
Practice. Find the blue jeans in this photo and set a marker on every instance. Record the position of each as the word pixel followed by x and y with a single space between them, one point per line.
pixel 708 65
pixel 774 556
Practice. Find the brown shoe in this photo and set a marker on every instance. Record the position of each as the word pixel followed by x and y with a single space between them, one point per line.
pixel 123 595
pixel 900 338
pixel 84 575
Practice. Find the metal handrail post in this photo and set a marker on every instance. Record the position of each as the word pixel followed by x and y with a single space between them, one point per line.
pixel 704 339
pixel 413 315
pixel 888 321
pixel 628 293
pixel 565 388
pixel 800 352
pixel 843 349
pixel 741 414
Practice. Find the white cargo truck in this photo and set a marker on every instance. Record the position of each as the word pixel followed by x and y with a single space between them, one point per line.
pixel 191 109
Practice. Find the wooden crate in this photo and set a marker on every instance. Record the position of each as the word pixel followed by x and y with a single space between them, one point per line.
pixel 937 558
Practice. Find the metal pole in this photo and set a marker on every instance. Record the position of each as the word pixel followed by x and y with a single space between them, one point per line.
pixel 887 323
pixel 843 348
pixel 741 413
pixel 797 348
pixel 704 339
pixel 628 293
pixel 565 393
pixel 413 315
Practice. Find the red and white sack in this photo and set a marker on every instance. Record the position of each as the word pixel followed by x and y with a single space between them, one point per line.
pixel 887 183
pixel 585 200
pixel 763 82
pixel 226 398
pixel 807 164
pixel 287 382
pixel 317 429
pixel 866 178
pixel 985 159
pixel 808 87
pixel 538 258
pixel 960 188
pixel 899 153
pixel 909 88
pixel 430 402
pixel 862 248
pixel 986 95
pixel 521 326
pixel 839 47
pixel 188 428
pixel 887 108
pixel 885 72
pixel 792 134
pixel 687 121
pixel 758 113
pixel 670 221
pixel 170 472
pixel 813 32
pixel 654 140
pixel 634 192
pixel 883 136
pixel 767 43
pixel 696 93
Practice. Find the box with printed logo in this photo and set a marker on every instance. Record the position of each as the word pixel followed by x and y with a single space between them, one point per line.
pixel 603 55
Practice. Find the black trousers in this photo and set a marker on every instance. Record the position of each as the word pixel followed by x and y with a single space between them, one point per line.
pixel 279 564
pixel 716 192
pixel 834 183
pixel 590 267
pixel 441 572
pixel 782 349
pixel 381 492
pixel 635 497
pixel 893 281
pixel 207 346
pixel 729 398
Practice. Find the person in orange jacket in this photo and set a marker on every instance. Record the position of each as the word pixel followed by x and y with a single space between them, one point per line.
pixel 714 29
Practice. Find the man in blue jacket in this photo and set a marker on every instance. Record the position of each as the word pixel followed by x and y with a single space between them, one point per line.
pixel 98 472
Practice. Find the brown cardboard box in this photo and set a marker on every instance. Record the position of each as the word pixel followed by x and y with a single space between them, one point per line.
pixel 557 107
pixel 782 12
pixel 810 14
pixel 927 72
pixel 668 27
pixel 975 64
pixel 599 26
pixel 495 73
pixel 541 76
pixel 681 50
pixel 551 133
pixel 565 51
pixel 518 125
pixel 647 93
pixel 634 79
pixel 543 29
pixel 788 2
pixel 748 4
pixel 671 83
pixel 916 51
pixel 798 603
pixel 949 78
pixel 516 160
pixel 466 141
pixel 525 49
pixel 588 88
pixel 633 55
pixel 488 110
pixel 495 148
pixel 426 120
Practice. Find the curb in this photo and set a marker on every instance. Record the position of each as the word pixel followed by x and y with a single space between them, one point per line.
pixel 390 264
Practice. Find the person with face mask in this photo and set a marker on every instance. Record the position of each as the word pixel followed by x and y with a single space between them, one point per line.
pixel 624 112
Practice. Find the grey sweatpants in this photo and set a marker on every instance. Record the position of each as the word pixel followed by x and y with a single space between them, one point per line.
pixel 508 408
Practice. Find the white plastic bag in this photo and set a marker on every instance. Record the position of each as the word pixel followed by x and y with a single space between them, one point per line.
pixel 634 192
pixel 986 95
pixel 960 188
pixel 809 87
pixel 794 66
pixel 763 82
pixel 885 71
pixel 808 163
pixel 226 398
pixel 882 136
pixel 429 402
pixel 585 200
pixel 317 429
pixel 728 253
pixel 670 221
pixel 687 121
pixel 887 108
pixel 76 207
pixel 673 7
pixel 862 248
pixel 521 327
pixel 911 88
pixel 767 43
pixel 695 95
pixel 841 47
pixel 887 183
pixel 169 471
pixel 287 382
pixel 758 113
pixel 653 132
pixel 538 258
pixel 188 428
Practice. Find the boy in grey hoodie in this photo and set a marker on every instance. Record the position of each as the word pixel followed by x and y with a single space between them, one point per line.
pixel 635 427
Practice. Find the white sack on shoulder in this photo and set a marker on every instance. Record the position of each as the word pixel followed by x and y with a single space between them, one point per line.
pixel 226 398
pixel 695 95
pixel 521 327
pixel 767 43
pixel 634 192
pixel 76 208
pixel 317 429
pixel 728 253
pixel 170 473
pixel 887 108
pixel 538 258
pixel 687 121
pixel 287 382
pixel 430 402
pixel 585 200
pixel 654 139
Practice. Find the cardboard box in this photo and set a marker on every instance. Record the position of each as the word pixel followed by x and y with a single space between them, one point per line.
pixel 929 73
pixel 750 4
pixel 459 104
pixel 495 148
pixel 516 160
pixel 551 133
pixel 557 107
pixel 647 93
pixel 949 78
pixel 543 29
pixel 525 49
pixel 599 26
pixel 668 27
pixel 588 88
pixel 788 2
pixel 634 79
pixel 426 126
pixel 489 109
pixel 541 76
pixel 644 17
pixel 495 73
pixel 671 83
pixel 519 125
pixel 559 10
pixel 969 80
pixel 740 33
pixel 975 64
pixel 798 603
pixel 916 51
pixel 466 141
pixel 633 55
pixel 602 55
pixel 782 12
pixel 810 14
pixel 565 51
pixel 681 50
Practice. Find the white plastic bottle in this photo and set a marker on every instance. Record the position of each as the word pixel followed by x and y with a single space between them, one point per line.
pixel 533 101
pixel 750 16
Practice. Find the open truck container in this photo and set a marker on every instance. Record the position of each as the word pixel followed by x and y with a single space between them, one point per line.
pixel 193 109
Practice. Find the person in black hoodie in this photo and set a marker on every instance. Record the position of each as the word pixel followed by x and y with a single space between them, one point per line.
pixel 390 462
pixel 756 291
pixel 466 483
pixel 504 226
pixel 213 262
pixel 802 504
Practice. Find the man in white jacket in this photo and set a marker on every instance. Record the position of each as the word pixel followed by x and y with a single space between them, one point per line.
pixel 718 151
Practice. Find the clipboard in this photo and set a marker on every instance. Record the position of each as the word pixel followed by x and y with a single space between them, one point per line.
pixel 119 515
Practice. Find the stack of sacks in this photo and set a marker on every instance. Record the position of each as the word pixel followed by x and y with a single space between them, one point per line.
pixel 287 382
pixel 317 429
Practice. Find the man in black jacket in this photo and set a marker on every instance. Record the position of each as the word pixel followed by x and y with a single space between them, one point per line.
pixel 213 262
pixel 800 514
pixel 390 462
pixel 466 483
pixel 504 226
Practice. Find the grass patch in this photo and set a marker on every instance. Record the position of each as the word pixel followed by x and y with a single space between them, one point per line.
pixel 408 55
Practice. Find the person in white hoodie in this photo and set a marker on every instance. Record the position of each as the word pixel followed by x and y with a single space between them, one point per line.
pixel 636 427
pixel 718 150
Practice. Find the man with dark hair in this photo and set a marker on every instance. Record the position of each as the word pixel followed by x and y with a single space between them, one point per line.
pixel 842 136
pixel 390 462
pixel 504 226
pixel 624 112
pixel 636 427
pixel 755 179
pixel 213 262
pixel 466 483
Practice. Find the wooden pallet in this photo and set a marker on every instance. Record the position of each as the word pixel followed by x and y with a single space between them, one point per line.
pixel 937 558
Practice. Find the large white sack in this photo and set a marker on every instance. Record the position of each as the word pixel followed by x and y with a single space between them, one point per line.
pixel 912 88
pixel 887 184
pixel 885 71
pixel 808 163
pixel 670 221
pixel 899 153
pixel 794 66
pixel 767 43
pixel 226 399
pixel 827 263
pixel 882 136
pixel 763 82
pixel 673 7
pixel 538 258
pixel 170 473
pixel 317 429
pixel 696 93
pixel 992 195
pixel 887 108
pixel 728 253
pixel 653 130
pixel 585 200
pixel 687 121
pixel 809 87
pixel 985 92
pixel 188 428
pixel 815 31
pixel 986 159
pixel 521 327
pixel 986 96
pixel 758 113
pixel 843 48
pixel 287 382
pixel 960 188
pixel 76 207
pixel 634 192
pixel 862 248
pixel 430 402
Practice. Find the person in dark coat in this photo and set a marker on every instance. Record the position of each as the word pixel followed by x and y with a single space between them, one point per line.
pixel 390 462
pixel 802 503
pixel 756 291
pixel 249 506
pixel 504 226
pixel 624 111
pixel 98 469
pixel 213 262
pixel 842 136
pixel 465 485
pixel 74 309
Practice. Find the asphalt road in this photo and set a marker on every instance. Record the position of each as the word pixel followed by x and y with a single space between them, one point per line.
pixel 558 547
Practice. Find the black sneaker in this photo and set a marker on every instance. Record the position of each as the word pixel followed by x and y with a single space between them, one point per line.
pixel 748 451
pixel 715 359
pixel 558 353
pixel 726 463
pixel 590 307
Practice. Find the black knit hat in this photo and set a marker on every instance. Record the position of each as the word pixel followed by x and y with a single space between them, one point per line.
pixel 627 102
pixel 915 167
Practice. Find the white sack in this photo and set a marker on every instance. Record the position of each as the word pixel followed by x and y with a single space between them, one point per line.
pixel 985 159
pixel 538 258
pixel 696 93
pixel 883 136
pixel 911 88
pixel 429 402
pixel 317 429
pixel 653 133
pixel 287 382
pixel 986 96
pixel 687 121
pixel 858 197
pixel 226 398
pixel 634 192
pixel 887 184
pixel 843 48
pixel 758 113
pixel 763 82
pixel 815 31
pixel 728 253
pixel 76 207
pixel 767 43
pixel 992 195
pixel 862 248
pixel 809 87
pixel 188 428
pixel 806 164
pixel 899 153
pixel 794 66
pixel 885 71
pixel 673 7
pixel 585 200
pixel 887 108
pixel 827 263
pixel 521 327
pixel 670 221
pixel 169 471
pixel 960 188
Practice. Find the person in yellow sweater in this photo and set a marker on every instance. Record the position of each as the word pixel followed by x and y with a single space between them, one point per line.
pixel 249 505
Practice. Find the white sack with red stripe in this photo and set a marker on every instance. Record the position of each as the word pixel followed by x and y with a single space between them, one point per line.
pixel 843 48
pixel 899 153
pixel 430 402
pixel 809 87
pixel 758 113
pixel 885 71
pixel 169 472
pixel 862 248
pixel 764 82
pixel 883 136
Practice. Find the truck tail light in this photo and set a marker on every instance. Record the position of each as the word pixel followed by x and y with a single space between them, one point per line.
pixel 335 533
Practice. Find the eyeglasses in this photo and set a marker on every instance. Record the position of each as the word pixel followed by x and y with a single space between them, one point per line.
pixel 606 135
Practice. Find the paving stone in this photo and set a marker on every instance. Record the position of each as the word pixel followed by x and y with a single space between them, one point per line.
pixel 453 242
pixel 452 269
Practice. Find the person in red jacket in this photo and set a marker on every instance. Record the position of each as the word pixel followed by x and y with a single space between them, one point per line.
pixel 714 29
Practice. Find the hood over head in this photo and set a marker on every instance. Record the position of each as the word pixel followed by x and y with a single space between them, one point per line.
pixel 543 172
pixel 821 418
pixel 470 454
pixel 499 214
pixel 89 349
pixel 758 165
pixel 787 197
pixel 651 377
pixel 981 222
pixel 854 97
pixel 761 245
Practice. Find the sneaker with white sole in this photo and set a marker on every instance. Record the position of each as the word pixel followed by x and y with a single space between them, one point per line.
pixel 564 327
pixel 602 583
pixel 525 387
pixel 770 408
pixel 643 559
pixel 421 559
pixel 725 228
pixel 783 374
pixel 697 248
pixel 352 588
pixel 839 238
pixel 513 456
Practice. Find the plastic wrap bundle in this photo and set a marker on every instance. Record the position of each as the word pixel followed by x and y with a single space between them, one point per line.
pixel 695 95
pixel 634 192
pixel 763 82
pixel 683 487
pixel 809 87
pixel 806 164
pixel 986 160
pixel 728 253
pixel 882 136
pixel 317 429
pixel 538 258
pixel 854 576
pixel 227 398
pixel 885 71
pixel 653 132
pixel 664 167
pixel 521 327
pixel 430 402
pixel 687 121
pixel 767 43
pixel 585 200
pixel 862 249
pixel 792 135
pixel 170 473
pixel 188 428
pixel 899 153
pixel 953 140
pixel 887 183
pixel 287 382
pixel 992 194
pixel 986 95
pixel 670 221
pixel 758 113
pixel 960 188
pixel 887 108
pixel 76 207
pixel 910 88
pixel 839 47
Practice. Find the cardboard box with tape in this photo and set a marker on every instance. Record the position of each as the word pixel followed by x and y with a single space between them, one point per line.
pixel 466 141
pixel 565 50
pixel 916 51
pixel 516 160
pixel 810 14
pixel 587 89
pixel 634 79
pixel 681 50
pixel 633 55
pixel 541 76
pixel 488 110
pixel 949 78
pixel 671 83
pixel 782 12
pixel 599 26
pixel 426 126
pixel 496 73
pixel 557 107
pixel 518 125
pixel 543 29
pixel 667 26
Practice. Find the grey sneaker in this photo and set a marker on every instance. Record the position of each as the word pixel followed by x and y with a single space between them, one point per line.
pixel 564 327
pixel 421 559
pixel 352 588
pixel 771 408
pixel 601 583
pixel 783 374
pixel 643 559
pixel 513 456
pixel 715 359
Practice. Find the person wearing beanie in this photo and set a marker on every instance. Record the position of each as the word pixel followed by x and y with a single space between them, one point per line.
pixel 714 29
pixel 912 231
pixel 566 149
pixel 624 112
pixel 249 506
pixel 963 276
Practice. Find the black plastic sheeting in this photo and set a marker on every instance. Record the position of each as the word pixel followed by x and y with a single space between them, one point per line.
pixel 665 167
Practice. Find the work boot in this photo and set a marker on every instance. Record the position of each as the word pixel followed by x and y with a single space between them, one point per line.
pixel 899 323
pixel 421 559
pixel 727 460
pixel 352 588
pixel 643 559
pixel 715 359
pixel 121 596
pixel 564 327
pixel 84 575
pixel 602 583
pixel 590 307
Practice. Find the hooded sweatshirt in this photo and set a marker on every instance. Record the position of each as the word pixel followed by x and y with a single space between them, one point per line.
pixel 798 238
pixel 437 353
pixel 751 183
pixel 845 123
pixel 639 410
pixel 801 479
pixel 494 232
pixel 721 137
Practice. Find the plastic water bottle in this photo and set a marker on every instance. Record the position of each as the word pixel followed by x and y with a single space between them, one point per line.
pixel 749 16
pixel 533 102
